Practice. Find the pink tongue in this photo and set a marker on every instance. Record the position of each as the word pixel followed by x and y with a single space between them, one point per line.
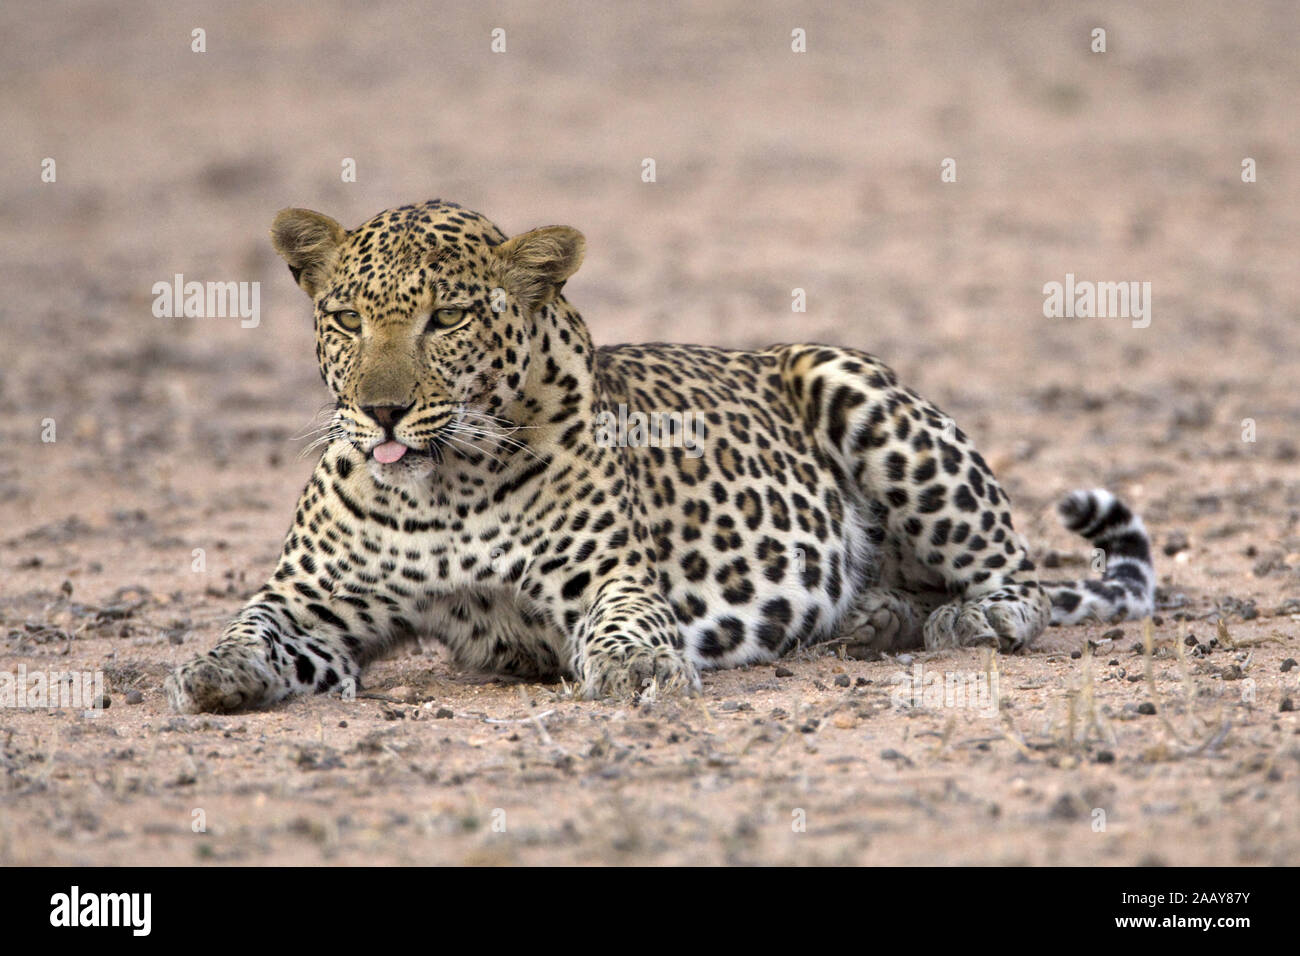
pixel 389 452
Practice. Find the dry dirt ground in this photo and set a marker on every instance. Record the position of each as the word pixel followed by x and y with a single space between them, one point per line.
pixel 775 171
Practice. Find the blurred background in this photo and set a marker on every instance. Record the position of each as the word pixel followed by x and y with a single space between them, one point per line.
pixel 149 465
pixel 775 170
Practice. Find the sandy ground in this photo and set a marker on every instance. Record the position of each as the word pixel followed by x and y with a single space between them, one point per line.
pixel 775 171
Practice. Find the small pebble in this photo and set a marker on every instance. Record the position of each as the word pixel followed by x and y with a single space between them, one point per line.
pixel 444 714
pixel 1075 655
pixel 134 697
pixel 1066 807
pixel 843 680
pixel 784 672
pixel 1146 707
pixel 1177 541
pixel 1288 664
pixel 1104 756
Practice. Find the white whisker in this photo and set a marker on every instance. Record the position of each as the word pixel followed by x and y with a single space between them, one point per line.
pixel 476 448
pixel 500 422
pixel 512 444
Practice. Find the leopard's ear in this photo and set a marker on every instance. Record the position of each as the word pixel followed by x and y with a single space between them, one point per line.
pixel 309 242
pixel 536 264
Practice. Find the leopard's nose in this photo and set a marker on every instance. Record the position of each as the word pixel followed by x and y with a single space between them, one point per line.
pixel 387 416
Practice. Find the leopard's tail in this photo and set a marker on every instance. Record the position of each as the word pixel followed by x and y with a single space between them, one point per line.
pixel 1127 587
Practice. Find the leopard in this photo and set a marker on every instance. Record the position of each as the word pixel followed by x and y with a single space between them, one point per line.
pixel 620 518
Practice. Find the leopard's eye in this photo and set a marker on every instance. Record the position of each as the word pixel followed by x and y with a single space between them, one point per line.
pixel 347 319
pixel 445 319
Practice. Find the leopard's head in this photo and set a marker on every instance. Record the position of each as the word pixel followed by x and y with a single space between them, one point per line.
pixel 424 320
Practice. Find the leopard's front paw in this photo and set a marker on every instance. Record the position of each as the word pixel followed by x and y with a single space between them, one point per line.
pixel 1008 619
pixel 209 685
pixel 626 669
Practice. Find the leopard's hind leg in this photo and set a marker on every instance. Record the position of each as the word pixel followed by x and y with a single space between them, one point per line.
pixel 882 620
pixel 936 496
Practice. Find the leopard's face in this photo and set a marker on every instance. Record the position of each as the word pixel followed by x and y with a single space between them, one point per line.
pixel 414 351
pixel 423 323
